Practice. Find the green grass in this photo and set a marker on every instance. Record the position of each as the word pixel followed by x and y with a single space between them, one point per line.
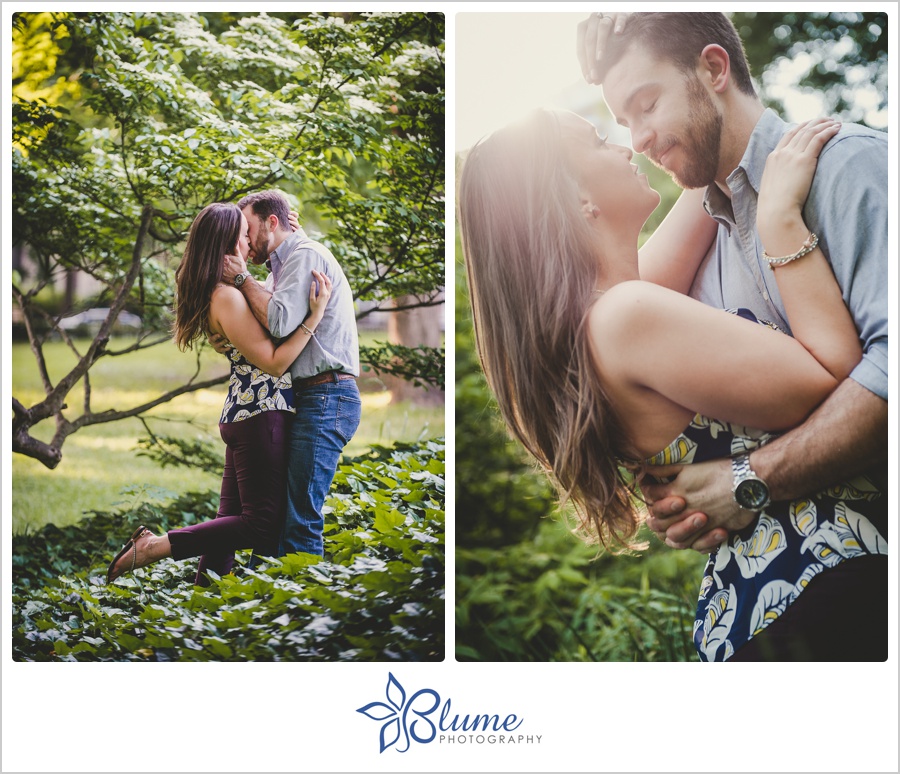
pixel 100 466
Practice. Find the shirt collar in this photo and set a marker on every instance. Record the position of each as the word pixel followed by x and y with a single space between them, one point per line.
pixel 277 256
pixel 766 134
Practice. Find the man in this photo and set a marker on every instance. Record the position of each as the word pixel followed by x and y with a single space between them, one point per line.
pixel 324 375
pixel 680 83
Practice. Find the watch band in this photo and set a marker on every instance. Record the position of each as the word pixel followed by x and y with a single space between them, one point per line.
pixel 749 490
pixel 241 278
pixel 740 467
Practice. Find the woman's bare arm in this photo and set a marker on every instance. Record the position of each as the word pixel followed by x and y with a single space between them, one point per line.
pixel 230 313
pixel 704 359
pixel 819 318
pixel 674 252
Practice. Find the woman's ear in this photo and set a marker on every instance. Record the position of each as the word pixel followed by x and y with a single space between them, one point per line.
pixel 591 211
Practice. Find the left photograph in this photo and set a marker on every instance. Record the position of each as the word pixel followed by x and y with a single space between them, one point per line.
pixel 228 337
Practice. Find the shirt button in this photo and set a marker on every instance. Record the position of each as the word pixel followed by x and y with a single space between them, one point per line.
pixel 766 296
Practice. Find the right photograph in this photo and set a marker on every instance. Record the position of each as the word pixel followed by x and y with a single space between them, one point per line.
pixel 671 337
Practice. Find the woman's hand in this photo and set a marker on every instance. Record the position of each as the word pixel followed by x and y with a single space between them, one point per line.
pixel 788 176
pixel 319 293
pixel 294 221
pixel 592 41
pixel 219 343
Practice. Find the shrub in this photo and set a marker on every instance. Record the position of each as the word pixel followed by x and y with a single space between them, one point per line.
pixel 378 595
pixel 553 599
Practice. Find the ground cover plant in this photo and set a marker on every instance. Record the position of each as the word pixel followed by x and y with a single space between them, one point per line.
pixel 378 595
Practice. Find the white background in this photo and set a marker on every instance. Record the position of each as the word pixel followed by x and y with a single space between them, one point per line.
pixel 302 717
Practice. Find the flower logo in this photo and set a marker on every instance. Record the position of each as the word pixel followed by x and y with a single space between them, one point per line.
pixel 395 714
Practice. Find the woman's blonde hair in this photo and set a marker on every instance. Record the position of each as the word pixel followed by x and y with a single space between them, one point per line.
pixel 532 265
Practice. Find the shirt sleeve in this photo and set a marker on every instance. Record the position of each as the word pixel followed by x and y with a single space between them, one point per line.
pixel 289 305
pixel 848 209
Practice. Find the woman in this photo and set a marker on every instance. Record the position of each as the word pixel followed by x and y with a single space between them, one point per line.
pixel 257 410
pixel 596 371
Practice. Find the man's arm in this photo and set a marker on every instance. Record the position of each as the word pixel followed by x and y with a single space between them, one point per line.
pixel 257 296
pixel 845 436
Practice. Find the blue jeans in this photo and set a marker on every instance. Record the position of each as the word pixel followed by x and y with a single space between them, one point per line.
pixel 327 417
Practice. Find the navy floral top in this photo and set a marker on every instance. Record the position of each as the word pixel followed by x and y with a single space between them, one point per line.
pixel 252 391
pixel 753 577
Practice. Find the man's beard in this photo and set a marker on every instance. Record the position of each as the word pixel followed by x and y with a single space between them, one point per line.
pixel 700 145
pixel 259 250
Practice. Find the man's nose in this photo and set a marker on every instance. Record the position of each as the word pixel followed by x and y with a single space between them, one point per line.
pixel 641 138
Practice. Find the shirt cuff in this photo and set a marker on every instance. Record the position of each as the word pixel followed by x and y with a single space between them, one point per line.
pixel 871 372
pixel 276 318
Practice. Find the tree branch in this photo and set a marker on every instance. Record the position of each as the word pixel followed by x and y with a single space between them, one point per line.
pixel 112 415
pixel 431 301
pixel 33 339
pixel 51 454
pixel 52 404
pixel 137 346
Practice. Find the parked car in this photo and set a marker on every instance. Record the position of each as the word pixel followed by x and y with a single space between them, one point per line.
pixel 89 322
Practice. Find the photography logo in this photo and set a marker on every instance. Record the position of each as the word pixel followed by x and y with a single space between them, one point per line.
pixel 423 718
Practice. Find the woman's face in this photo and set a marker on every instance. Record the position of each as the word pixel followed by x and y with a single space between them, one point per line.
pixel 243 243
pixel 605 174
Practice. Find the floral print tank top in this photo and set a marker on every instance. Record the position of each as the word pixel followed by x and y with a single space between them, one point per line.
pixel 252 391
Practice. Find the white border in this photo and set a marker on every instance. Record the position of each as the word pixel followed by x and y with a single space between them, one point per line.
pixel 295 716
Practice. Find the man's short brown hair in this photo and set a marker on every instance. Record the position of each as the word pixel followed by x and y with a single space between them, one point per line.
pixel 265 203
pixel 679 38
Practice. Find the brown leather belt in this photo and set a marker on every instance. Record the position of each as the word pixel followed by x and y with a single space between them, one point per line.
pixel 322 378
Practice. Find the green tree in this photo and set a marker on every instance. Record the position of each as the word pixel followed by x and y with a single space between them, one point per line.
pixel 131 123
pixel 840 56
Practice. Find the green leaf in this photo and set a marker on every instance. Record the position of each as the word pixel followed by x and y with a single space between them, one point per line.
pixel 387 520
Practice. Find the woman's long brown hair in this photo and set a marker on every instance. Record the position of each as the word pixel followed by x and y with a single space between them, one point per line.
pixel 532 265
pixel 214 234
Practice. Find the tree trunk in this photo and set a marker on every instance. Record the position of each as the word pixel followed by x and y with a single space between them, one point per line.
pixel 415 328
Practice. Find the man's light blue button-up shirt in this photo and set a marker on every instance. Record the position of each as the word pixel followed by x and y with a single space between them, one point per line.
pixel 335 347
pixel 847 207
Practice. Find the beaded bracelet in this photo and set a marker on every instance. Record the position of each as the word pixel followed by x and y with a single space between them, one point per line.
pixel 807 247
pixel 307 330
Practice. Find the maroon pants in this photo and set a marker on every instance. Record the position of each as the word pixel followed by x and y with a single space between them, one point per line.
pixel 253 500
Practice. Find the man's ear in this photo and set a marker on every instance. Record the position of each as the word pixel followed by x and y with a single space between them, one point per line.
pixel 714 67
pixel 273 223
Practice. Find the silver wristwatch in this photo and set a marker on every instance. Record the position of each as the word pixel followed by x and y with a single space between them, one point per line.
pixel 749 490
pixel 241 278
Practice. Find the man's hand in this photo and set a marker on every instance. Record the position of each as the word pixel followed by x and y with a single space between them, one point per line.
pixel 593 34
pixel 233 266
pixel 696 509
pixel 219 343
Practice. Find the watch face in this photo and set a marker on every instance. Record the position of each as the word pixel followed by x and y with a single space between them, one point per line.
pixel 752 494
